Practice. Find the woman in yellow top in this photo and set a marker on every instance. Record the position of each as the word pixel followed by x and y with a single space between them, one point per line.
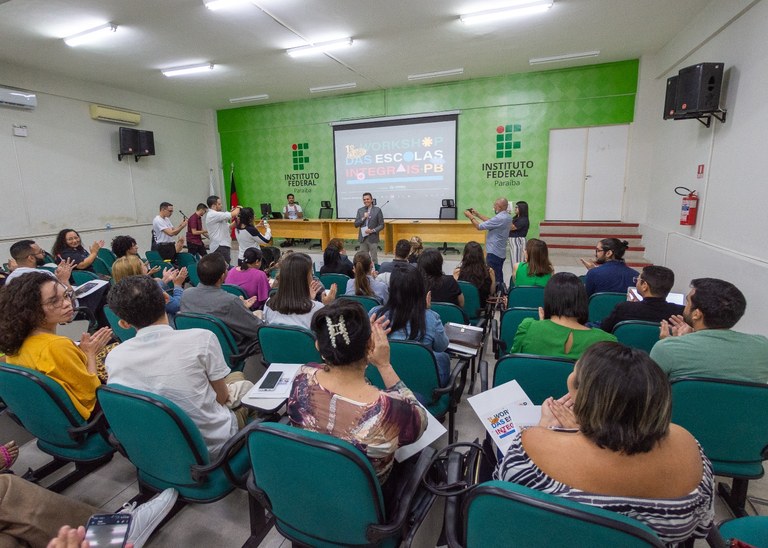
pixel 31 307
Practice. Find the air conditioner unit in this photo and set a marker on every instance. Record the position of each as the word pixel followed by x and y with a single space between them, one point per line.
pixel 17 98
pixel 115 115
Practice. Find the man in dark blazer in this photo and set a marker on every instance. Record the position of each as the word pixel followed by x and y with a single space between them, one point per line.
pixel 370 221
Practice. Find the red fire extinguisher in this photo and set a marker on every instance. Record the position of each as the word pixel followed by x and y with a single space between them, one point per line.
pixel 689 208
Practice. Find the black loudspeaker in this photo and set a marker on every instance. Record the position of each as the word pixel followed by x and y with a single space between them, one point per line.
pixel 146 143
pixel 669 100
pixel 129 140
pixel 698 89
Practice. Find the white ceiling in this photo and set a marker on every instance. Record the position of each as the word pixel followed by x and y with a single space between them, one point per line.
pixel 392 39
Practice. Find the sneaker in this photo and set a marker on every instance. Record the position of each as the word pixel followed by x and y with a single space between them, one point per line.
pixel 146 517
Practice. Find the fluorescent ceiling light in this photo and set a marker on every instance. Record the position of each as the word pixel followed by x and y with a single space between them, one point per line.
pixel 321 89
pixel 319 48
pixel 214 5
pixel 563 57
pixel 249 98
pixel 191 69
pixel 515 10
pixel 438 74
pixel 90 35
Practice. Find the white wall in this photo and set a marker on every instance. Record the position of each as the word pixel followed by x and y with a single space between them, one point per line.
pixel 728 239
pixel 66 172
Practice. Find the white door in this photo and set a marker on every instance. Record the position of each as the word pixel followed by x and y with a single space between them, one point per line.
pixel 586 174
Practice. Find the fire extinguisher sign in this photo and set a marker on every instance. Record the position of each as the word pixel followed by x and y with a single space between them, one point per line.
pixel 700 171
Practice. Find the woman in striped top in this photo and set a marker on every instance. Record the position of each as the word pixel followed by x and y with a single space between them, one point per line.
pixel 609 443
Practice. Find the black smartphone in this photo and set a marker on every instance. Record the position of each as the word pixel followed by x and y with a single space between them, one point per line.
pixel 271 380
pixel 108 529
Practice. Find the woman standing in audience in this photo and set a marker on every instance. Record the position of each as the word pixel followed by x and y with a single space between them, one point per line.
pixel 474 270
pixel 410 318
pixel 417 247
pixel 518 230
pixel 363 282
pixel 248 233
pixel 560 331
pixel 335 397
pixel 336 263
pixel 444 288
pixel 172 280
pixel 609 443
pixel 536 270
pixel 249 276
pixel 294 303
pixel 31 307
pixel 69 246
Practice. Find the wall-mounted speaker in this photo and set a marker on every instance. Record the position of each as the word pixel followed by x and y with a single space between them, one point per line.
pixel 129 140
pixel 698 89
pixel 146 144
pixel 669 100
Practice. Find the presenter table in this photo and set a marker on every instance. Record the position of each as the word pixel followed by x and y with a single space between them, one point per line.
pixel 322 229
pixel 432 230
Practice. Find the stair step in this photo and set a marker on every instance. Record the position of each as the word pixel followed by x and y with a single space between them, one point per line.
pixel 587 223
pixel 600 236
pixel 591 248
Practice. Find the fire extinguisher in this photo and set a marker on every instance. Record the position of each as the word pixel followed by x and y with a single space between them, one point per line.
pixel 690 206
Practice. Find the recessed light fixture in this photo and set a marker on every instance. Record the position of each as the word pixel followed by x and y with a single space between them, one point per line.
pixel 249 99
pixel 515 10
pixel 563 57
pixel 322 89
pixel 321 47
pixel 438 74
pixel 214 5
pixel 190 69
pixel 90 35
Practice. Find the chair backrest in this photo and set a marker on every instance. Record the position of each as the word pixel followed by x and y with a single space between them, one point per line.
pixel 313 484
pixel 120 332
pixel 153 255
pixel 185 259
pixel 190 320
pixel 367 302
pixel 449 312
pixel 106 255
pixel 339 279
pixel 194 279
pixel 40 403
pixel 83 276
pixel 637 334
pixel 325 213
pixel 724 416
pixel 447 213
pixel 539 376
pixel 236 290
pixel 168 448
pixel 101 267
pixel 287 344
pixel 525 296
pixel 162 266
pixel 534 518
pixel 510 321
pixel 472 305
pixel 414 363
pixel 601 304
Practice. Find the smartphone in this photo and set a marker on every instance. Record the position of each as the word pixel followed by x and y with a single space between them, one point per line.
pixel 108 529
pixel 271 380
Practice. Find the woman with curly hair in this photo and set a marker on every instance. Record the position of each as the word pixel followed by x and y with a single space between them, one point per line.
pixel 124 245
pixel 31 306
pixel 68 245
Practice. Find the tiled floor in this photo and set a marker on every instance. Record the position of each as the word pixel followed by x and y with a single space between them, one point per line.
pixel 225 523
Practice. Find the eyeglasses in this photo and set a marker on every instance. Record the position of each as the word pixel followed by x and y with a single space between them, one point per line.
pixel 59 300
pixel 637 279
pixel 599 250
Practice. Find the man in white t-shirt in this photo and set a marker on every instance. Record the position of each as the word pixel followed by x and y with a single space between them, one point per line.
pixel 217 223
pixel 292 211
pixel 186 366
pixel 164 233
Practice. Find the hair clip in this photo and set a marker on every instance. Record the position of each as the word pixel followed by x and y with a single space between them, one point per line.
pixel 336 329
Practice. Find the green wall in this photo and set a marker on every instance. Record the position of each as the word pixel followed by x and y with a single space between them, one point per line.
pixel 503 133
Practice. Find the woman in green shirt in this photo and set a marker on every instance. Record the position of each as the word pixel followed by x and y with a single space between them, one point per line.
pixel 560 331
pixel 536 270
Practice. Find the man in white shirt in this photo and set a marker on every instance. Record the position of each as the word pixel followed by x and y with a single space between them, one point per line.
pixel 164 233
pixel 186 366
pixel 292 211
pixel 217 223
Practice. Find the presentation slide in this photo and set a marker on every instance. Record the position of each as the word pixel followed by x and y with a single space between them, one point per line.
pixel 408 165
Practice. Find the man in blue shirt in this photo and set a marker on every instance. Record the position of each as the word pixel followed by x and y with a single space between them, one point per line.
pixel 609 273
pixel 498 231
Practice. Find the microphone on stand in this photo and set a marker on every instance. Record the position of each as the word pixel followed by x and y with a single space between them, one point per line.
pixel 385 203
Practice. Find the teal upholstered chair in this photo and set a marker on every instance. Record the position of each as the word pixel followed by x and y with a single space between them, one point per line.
pixel 185 259
pixel 119 332
pixel 107 256
pixel 450 312
pixel 751 529
pixel 601 304
pixel 339 279
pixel 324 492
pixel 101 267
pixel 728 419
pixel 637 334
pixel 526 296
pixel 44 409
pixel 80 277
pixel 153 256
pixel 194 279
pixel 232 354
pixel 508 324
pixel 287 344
pixel 235 290
pixel 539 376
pixel 367 302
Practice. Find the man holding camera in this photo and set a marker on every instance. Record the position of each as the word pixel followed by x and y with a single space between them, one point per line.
pixel 498 231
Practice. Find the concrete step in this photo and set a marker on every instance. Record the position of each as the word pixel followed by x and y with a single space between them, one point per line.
pixel 596 229
pixel 587 240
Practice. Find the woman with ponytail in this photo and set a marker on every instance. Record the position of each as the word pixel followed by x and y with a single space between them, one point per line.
pixel 364 282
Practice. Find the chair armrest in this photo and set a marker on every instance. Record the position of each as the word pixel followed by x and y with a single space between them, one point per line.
pixel 377 532
pixel 715 539
pixel 460 366
pixel 97 423
pixel 233 445
pixel 250 350
pixel 483 375
pixel 453 504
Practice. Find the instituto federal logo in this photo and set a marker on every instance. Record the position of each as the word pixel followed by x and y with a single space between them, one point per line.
pixel 505 171
pixel 505 140
pixel 300 158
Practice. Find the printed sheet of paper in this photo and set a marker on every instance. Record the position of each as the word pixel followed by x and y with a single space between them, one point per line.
pixel 434 431
pixel 504 410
